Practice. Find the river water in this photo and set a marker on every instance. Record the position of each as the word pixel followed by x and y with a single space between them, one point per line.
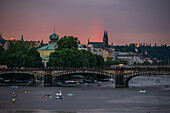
pixel 92 98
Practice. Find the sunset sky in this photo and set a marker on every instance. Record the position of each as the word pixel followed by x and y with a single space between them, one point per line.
pixel 126 21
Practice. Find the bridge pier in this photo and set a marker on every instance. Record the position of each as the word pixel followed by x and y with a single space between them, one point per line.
pixel 126 84
pixel 119 81
pixel 48 78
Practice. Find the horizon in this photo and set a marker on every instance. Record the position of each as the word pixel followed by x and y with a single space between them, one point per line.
pixel 125 21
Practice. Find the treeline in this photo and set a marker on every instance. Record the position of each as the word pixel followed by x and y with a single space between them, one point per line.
pixel 67 55
pixel 20 54
pixel 23 54
pixel 159 52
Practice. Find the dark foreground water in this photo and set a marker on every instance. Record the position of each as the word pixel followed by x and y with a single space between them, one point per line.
pixel 87 99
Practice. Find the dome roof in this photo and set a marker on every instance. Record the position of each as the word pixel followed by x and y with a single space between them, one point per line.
pixel 54 37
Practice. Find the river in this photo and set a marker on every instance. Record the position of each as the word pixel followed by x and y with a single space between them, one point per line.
pixel 92 98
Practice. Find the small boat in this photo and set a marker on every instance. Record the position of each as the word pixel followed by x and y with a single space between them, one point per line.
pixel 47 96
pixel 59 97
pixel 142 91
pixel 139 83
pixel 166 86
pixel 14 87
pixel 26 92
pixel 85 83
pixel 132 79
pixel 59 94
pixel 151 79
pixel 70 94
pixel 95 81
pixel 14 95
pixel 99 83
pixel 60 83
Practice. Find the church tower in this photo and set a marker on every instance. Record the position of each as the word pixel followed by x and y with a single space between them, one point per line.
pixel 105 39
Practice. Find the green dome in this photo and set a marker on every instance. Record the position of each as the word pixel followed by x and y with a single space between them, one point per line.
pixel 54 37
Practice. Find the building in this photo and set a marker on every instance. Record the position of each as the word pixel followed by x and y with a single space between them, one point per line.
pixel 100 44
pixel 32 43
pixel 136 59
pixel 148 60
pixel 45 51
pixel 124 56
pixel 107 52
pixel 130 57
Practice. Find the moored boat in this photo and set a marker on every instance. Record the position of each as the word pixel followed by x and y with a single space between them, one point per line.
pixel 142 91
pixel 47 96
pixel 14 87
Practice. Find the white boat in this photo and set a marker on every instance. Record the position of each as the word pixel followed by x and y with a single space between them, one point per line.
pixel 142 91
pixel 59 94
pixel 59 97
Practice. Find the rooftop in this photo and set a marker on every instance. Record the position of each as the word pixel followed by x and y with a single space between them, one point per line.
pixel 48 47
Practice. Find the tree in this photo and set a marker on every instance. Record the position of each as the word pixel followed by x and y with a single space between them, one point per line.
pixel 1 55
pixel 21 54
pixel 109 62
pixel 69 42
pixel 67 55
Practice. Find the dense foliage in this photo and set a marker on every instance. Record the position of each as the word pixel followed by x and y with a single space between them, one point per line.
pixel 67 55
pixel 159 52
pixel 20 54
pixel 67 42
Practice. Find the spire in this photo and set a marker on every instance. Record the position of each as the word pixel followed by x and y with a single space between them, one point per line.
pixel 54 28
pixel 41 42
pixel 22 39
pixel 0 35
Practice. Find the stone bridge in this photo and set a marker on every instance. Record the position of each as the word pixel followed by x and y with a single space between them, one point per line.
pixel 121 75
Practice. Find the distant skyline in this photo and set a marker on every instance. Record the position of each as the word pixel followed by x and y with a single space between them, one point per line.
pixel 126 21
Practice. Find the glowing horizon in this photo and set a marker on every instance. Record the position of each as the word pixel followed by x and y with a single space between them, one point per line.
pixel 125 21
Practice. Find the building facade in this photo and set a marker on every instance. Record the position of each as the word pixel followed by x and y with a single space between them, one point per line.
pixel 45 51
pixel 130 57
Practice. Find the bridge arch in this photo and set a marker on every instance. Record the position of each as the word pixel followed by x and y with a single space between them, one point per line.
pixel 57 74
pixel 129 76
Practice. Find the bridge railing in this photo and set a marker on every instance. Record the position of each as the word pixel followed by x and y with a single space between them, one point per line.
pixel 115 67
